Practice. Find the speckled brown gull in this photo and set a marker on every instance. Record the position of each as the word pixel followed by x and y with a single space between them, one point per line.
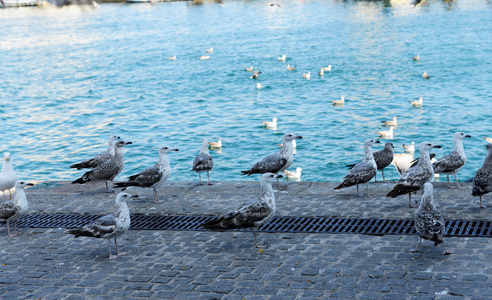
pixel 100 158
pixel 428 221
pixel 253 214
pixel 16 208
pixel 414 178
pixel 203 162
pixel 109 226
pixel 152 177
pixel 383 158
pixel 278 161
pixel 108 170
pixel 482 182
pixel 450 164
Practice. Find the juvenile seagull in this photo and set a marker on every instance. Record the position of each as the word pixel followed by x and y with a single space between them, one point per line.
pixel 282 58
pixel 108 170
pixel 278 161
pixel 416 57
pixel 489 140
pixel 250 69
pixel 425 76
pixel 255 75
pixel 109 226
pixel 383 158
pixel 482 182
pixel 409 148
pixel 203 162
pixel 251 215
pixel 417 103
pixel 363 171
pixel 172 57
pixel 272 124
pixel 428 221
pixel 326 69
pixel 14 209
pixel 386 133
pixel 209 50
pixel 414 178
pixel 390 123
pixel 450 164
pixel 293 175
pixel 339 102
pixel 152 177
pixel 307 75
pixel 100 158
pixel 289 68
pixel 8 177
pixel 217 144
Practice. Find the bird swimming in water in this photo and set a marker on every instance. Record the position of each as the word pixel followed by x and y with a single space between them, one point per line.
pixel 272 124
pixel 417 103
pixel 339 102
pixel 425 76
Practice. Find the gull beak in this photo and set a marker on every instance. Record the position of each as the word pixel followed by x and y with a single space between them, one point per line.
pixel 468 136
pixel 175 149
pixel 30 184
pixel 299 137
pixel 437 146
pixel 378 141
pixel 279 176
pixel 128 143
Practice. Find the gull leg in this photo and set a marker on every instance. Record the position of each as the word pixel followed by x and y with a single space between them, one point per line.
pixel 383 174
pixel 110 255
pixel 200 175
pixel 4 197
pixel 376 177
pixel 257 245
pixel 281 187
pixel 208 176
pixel 10 192
pixel 482 205
pixel 156 197
pixel 8 230
pixel 15 228
pixel 449 186
pixel 118 253
pixel 416 249
pixel 410 200
pixel 357 190
pixel 458 184
pixel 446 252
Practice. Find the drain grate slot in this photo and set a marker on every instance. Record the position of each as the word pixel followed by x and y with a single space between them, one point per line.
pixel 458 228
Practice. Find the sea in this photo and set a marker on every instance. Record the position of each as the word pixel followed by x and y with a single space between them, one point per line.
pixel 72 76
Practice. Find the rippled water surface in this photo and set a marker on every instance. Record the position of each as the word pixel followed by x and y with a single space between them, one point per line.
pixel 71 77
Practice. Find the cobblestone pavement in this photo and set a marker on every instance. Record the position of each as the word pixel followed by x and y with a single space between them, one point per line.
pixel 49 264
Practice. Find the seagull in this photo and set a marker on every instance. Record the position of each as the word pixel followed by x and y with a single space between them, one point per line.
pixel 282 58
pixel 211 50
pixel 250 69
pixel 289 68
pixel 8 177
pixel 293 175
pixel 172 57
pixel 272 124
pixel 417 103
pixel 482 182
pixel 278 161
pixel 428 221
pixel 363 171
pixel 425 76
pixel 307 75
pixel 339 102
pixel 416 57
pixel 383 158
pixel 326 69
pixel 204 57
pixel 255 75
pixel 409 148
pixel 321 72
pixel 217 144
pixel 203 162
pixel 14 209
pixel 489 140
pixel 390 123
pixel 386 133
pixel 100 158
pixel 259 86
pixel 251 215
pixel 152 177
pixel 402 162
pixel 450 164
pixel 414 178
pixel 108 170
pixel 109 226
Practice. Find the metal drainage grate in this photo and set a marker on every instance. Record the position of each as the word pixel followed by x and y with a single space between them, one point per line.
pixel 463 228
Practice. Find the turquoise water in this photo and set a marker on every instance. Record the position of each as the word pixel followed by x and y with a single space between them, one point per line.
pixel 71 77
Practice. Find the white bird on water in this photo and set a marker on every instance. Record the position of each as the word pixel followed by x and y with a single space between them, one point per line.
pixel 326 69
pixel 417 103
pixel 386 133
pixel 289 68
pixel 272 124
pixel 217 144
pixel 8 177
pixel 339 102
pixel 172 57
pixel 425 75
pixel 14 209
pixel 109 226
pixel 390 123
pixel 416 57
pixel 409 148
pixel 293 175
pixel 259 86
pixel 204 57
pixel 307 75
pixel 209 50
pixel 282 58
pixel 321 72
pixel 253 214
pixel 250 69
